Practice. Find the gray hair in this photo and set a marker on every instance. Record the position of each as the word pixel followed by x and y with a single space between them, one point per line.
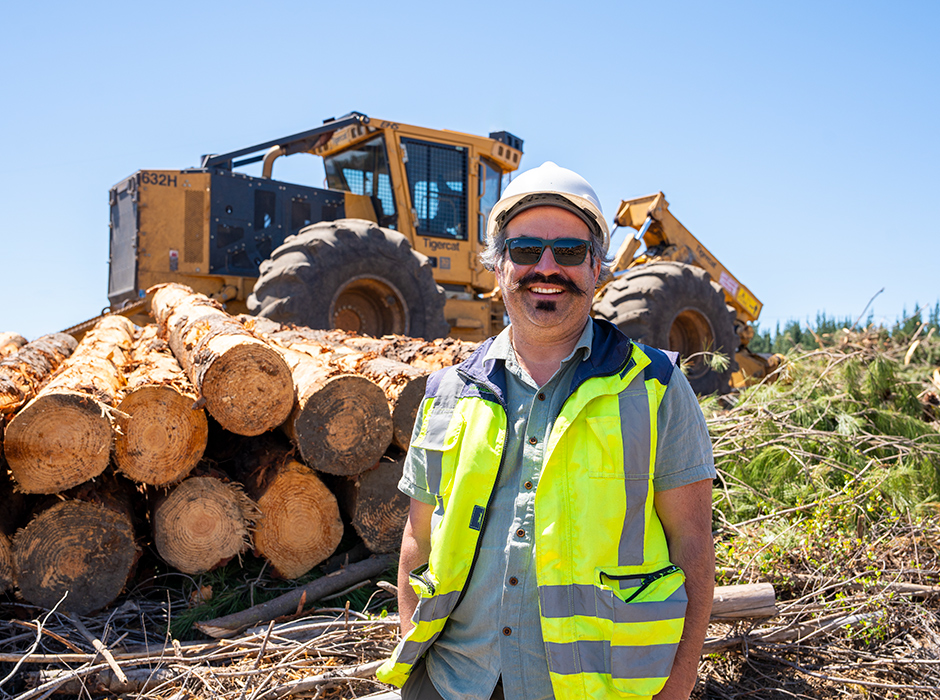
pixel 496 250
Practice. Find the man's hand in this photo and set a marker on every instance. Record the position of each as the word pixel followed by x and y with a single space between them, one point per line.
pixel 686 515
pixel 415 551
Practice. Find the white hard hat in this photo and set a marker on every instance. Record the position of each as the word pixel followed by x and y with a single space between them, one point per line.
pixel 550 185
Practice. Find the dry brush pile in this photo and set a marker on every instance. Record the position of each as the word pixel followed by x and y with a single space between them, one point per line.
pixel 829 489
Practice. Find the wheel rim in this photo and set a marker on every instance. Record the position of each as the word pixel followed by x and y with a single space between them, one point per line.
pixel 690 335
pixel 369 306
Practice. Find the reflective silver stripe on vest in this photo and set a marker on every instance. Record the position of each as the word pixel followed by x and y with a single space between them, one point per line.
pixel 436 607
pixel 621 662
pixel 435 433
pixel 590 601
pixel 410 652
pixel 635 433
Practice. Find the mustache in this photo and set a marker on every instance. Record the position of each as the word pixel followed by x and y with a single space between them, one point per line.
pixel 556 279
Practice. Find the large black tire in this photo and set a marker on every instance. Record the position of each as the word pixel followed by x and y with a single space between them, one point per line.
pixel 351 274
pixel 677 307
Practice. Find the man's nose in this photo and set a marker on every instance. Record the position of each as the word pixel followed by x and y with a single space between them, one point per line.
pixel 546 264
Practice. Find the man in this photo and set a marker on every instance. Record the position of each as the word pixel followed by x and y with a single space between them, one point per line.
pixel 560 481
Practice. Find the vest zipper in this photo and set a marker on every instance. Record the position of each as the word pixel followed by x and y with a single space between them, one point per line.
pixel 648 579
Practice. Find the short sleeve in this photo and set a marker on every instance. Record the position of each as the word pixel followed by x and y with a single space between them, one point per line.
pixel 414 479
pixel 683 446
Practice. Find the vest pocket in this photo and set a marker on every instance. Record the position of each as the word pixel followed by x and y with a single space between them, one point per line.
pixel 644 608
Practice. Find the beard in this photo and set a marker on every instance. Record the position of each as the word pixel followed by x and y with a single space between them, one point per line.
pixel 546 305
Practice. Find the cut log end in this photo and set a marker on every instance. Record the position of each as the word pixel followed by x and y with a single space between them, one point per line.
pixel 406 411
pixel 77 548
pixel 58 441
pixel 6 563
pixel 300 524
pixel 249 389
pixel 161 436
pixel 200 525
pixel 358 429
pixel 375 506
pixel 10 343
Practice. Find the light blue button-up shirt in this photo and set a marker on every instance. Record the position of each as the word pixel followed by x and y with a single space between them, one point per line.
pixel 496 628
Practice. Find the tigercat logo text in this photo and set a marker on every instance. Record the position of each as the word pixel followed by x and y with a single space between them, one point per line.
pixel 440 245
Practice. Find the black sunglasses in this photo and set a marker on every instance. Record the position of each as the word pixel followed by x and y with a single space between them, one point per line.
pixel 528 251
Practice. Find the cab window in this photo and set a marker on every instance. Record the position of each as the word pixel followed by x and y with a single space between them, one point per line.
pixel 364 170
pixel 490 181
pixel 437 177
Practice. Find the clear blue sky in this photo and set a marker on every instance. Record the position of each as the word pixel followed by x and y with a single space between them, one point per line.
pixel 798 141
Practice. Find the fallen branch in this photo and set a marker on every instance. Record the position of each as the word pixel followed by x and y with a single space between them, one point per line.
pixel 230 625
pixel 307 684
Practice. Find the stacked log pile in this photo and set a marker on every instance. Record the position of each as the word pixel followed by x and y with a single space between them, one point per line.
pixel 199 437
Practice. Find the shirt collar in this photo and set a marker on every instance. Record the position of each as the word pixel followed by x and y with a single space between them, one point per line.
pixel 501 347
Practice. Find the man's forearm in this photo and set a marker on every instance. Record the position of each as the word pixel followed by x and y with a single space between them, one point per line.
pixel 685 513
pixel 700 587
pixel 415 550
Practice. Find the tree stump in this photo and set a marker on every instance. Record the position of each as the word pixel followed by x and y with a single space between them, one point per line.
pixel 161 435
pixel 374 505
pixel 246 384
pixel 82 548
pixel 22 373
pixel 201 524
pixel 62 437
pixel 10 343
pixel 341 422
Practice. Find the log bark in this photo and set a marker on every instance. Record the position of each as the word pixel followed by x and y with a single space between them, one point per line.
pixel 22 373
pixel 10 343
pixel 80 551
pixel 341 422
pixel 62 437
pixel 161 435
pixel 246 384
pixel 374 505
pixel 420 354
pixel 299 524
pixel 230 625
pixel 402 384
pixel 201 524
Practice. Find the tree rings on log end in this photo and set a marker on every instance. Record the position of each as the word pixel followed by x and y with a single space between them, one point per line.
pixel 300 524
pixel 406 411
pixel 377 509
pixel 201 524
pixel 161 436
pixel 249 389
pixel 59 440
pixel 6 563
pixel 78 547
pixel 344 427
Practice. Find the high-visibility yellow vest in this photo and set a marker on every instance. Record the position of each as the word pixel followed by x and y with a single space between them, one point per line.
pixel 612 605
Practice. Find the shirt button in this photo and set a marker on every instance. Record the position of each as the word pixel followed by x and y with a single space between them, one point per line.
pixel 513 581
pixel 533 440
pixel 520 532
pixel 528 485
pixel 507 631
pixel 541 396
